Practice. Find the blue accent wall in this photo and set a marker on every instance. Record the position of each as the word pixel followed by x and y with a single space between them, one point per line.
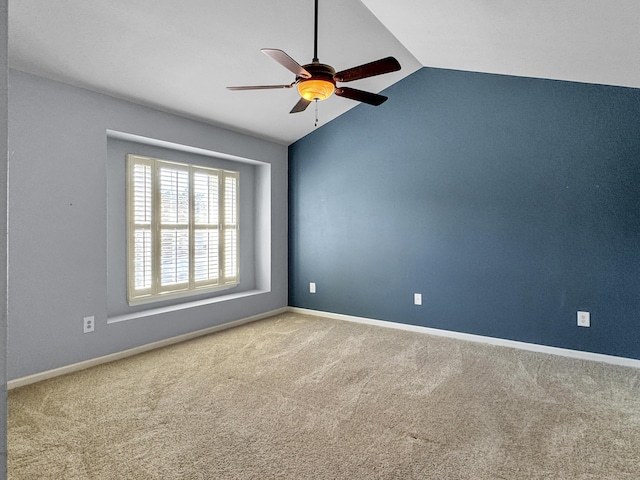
pixel 510 203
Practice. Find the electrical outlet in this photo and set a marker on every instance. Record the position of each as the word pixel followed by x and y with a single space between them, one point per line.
pixel 417 299
pixel 584 319
pixel 88 324
pixel 312 287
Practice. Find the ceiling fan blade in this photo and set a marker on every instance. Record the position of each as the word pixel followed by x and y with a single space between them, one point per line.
pixel 361 96
pixel 301 106
pixel 286 61
pixel 384 65
pixel 259 87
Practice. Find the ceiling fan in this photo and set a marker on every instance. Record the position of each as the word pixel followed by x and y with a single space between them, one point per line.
pixel 317 81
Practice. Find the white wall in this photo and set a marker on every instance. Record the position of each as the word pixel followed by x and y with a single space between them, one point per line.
pixel 58 226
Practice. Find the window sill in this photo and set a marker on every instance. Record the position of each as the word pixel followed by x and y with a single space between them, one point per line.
pixel 184 306
pixel 180 294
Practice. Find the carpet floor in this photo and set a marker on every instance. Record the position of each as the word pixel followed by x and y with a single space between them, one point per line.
pixel 300 397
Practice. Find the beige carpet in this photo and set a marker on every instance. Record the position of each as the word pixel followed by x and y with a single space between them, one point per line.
pixel 301 397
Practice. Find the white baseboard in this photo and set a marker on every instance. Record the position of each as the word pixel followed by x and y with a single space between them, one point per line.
pixel 596 357
pixel 37 377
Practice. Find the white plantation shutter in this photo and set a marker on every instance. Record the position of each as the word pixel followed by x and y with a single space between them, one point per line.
pixel 206 199
pixel 174 227
pixel 141 212
pixel 230 227
pixel 182 229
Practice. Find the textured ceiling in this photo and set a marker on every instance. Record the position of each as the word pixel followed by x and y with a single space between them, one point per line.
pixel 180 56
pixel 591 41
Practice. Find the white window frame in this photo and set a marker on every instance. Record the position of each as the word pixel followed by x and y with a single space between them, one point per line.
pixel 226 223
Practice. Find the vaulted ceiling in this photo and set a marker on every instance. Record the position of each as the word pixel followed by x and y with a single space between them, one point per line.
pixel 180 56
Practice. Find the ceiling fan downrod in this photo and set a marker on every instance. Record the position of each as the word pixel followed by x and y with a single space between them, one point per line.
pixel 315 36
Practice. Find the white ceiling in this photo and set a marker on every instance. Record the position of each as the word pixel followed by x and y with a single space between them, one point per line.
pixel 591 41
pixel 180 55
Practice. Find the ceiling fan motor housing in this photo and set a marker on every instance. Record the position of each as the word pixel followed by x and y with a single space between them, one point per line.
pixel 320 85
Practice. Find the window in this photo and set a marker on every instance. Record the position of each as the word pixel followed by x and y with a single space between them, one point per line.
pixel 182 229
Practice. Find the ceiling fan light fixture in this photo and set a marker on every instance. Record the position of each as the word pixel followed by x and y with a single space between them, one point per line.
pixel 317 81
pixel 316 89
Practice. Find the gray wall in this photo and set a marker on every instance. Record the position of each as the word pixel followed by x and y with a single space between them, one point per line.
pixel 59 229
pixel 3 239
